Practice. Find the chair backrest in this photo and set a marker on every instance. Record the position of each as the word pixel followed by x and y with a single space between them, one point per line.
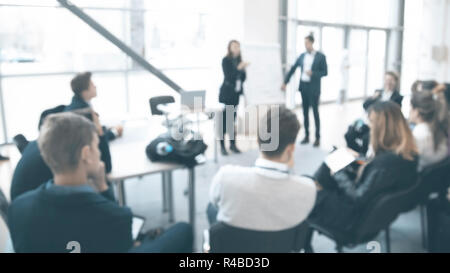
pixel 57 109
pixel 227 239
pixel 155 101
pixel 382 211
pixel 434 178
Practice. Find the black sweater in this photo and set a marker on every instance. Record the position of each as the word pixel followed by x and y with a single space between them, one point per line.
pixel 227 94
pixel 344 197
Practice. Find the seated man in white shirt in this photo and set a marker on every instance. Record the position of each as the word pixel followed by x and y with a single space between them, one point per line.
pixel 267 196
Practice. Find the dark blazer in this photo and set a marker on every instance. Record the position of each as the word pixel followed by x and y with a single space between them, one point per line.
pixel 45 220
pixel 31 170
pixel 78 103
pixel 227 94
pixel 396 97
pixel 319 69
pixel 341 206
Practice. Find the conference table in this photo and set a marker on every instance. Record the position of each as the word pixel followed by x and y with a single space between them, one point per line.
pixel 129 160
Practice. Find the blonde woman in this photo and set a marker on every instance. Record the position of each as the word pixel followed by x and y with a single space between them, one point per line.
pixel 342 197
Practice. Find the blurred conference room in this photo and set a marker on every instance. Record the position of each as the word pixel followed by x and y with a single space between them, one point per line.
pixel 160 67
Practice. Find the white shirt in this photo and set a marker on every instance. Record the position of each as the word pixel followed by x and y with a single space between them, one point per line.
pixel 308 61
pixel 425 145
pixel 386 95
pixel 265 197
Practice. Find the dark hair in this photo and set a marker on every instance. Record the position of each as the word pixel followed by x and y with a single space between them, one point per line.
pixel 310 37
pixel 230 54
pixel 81 82
pixel 393 75
pixel 432 109
pixel 389 130
pixel 288 128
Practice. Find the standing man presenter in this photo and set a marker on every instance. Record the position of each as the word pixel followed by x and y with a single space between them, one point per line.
pixel 313 66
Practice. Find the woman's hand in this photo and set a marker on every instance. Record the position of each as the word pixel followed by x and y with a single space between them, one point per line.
pixel 318 186
pixel 243 65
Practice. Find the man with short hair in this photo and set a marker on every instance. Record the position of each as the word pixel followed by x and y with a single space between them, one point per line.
pixel 267 196
pixel 313 65
pixel 31 171
pixel 77 205
pixel 84 91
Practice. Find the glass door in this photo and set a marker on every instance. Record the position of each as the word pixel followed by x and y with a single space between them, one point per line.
pixel 333 48
pixel 357 63
pixel 376 60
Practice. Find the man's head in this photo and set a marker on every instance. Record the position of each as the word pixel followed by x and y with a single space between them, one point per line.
pixel 309 42
pixel 278 130
pixel 390 81
pixel 83 86
pixel 69 144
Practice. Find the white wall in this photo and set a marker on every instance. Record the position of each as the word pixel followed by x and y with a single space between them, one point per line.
pixel 434 36
pixel 261 21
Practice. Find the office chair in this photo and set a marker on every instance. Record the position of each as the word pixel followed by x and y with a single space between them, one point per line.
pixel 54 110
pixel 432 180
pixel 378 216
pixel 223 238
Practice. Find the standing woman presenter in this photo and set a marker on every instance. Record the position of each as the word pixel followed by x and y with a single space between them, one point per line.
pixel 232 87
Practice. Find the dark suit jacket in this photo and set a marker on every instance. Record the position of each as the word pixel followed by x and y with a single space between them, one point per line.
pixel 78 103
pixel 396 97
pixel 319 69
pixel 227 94
pixel 339 208
pixel 45 220
pixel 31 171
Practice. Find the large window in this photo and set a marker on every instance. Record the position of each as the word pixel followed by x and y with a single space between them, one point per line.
pixel 42 45
pixel 354 35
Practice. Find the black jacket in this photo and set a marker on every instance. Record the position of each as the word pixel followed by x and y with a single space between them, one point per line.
pixel 319 69
pixel 45 220
pixel 227 94
pixel 396 97
pixel 339 206
pixel 31 170
pixel 78 103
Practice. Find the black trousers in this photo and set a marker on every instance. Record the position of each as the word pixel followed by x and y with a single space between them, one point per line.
pixel 310 98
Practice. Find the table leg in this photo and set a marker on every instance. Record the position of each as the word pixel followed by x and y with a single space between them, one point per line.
pixel 192 198
pixel 215 151
pixel 121 192
pixel 170 197
pixel 164 191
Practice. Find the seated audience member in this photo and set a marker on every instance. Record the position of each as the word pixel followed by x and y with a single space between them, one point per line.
pixel 77 204
pixel 389 92
pixel 342 196
pixel 31 171
pixel 439 91
pixel 267 196
pixel 84 91
pixel 430 117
